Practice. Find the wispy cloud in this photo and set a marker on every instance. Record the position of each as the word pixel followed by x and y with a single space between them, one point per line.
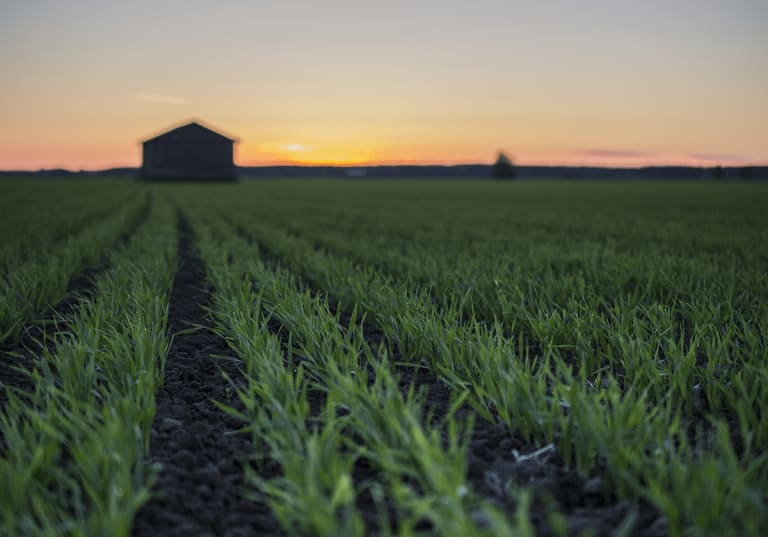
pixel 613 153
pixel 159 98
pixel 622 157
pixel 719 157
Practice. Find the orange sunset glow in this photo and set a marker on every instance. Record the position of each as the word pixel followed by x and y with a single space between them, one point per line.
pixel 353 83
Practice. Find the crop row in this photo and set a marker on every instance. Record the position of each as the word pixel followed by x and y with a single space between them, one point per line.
pixel 692 332
pixel 361 413
pixel 73 448
pixel 379 334
pixel 642 439
pixel 39 215
pixel 627 399
pixel 30 283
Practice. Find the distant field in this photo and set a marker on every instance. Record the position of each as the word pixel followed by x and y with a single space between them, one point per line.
pixel 385 357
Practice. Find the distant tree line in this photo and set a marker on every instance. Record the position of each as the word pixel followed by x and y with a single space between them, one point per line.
pixel 503 169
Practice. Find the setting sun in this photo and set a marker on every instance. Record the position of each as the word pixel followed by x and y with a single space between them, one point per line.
pixel 309 154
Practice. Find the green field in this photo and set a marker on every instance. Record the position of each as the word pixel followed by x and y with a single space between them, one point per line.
pixel 613 332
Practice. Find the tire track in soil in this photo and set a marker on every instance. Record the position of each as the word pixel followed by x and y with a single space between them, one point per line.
pixel 200 487
pixel 37 335
pixel 586 503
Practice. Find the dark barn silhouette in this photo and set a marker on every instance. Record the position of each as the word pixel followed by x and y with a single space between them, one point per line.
pixel 190 152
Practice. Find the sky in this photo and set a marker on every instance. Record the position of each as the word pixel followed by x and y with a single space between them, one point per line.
pixel 588 82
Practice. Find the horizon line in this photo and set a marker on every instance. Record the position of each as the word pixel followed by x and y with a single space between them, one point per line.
pixel 400 164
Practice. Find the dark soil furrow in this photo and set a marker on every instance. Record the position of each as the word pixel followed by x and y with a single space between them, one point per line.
pixel 200 488
pixel 585 502
pixel 19 354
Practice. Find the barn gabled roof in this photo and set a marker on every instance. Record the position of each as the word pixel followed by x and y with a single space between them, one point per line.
pixel 190 124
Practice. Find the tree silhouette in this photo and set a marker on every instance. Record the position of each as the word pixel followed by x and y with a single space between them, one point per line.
pixel 504 168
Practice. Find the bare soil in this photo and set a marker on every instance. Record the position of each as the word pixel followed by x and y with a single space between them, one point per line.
pixel 200 488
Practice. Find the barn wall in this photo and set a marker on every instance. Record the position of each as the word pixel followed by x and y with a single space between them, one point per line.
pixel 188 153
